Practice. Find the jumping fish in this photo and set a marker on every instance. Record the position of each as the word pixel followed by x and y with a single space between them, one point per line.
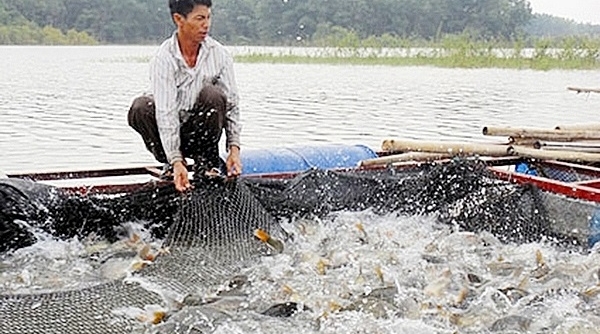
pixel 275 244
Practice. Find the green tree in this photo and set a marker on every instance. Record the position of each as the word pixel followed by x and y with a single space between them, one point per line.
pixel 288 22
pixel 233 21
pixel 79 38
pixel 43 13
pixel 52 36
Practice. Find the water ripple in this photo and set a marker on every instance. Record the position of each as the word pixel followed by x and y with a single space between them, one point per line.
pixel 73 112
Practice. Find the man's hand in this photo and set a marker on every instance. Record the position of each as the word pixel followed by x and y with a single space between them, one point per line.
pixel 180 175
pixel 234 163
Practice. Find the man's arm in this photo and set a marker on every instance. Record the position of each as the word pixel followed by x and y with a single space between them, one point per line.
pixel 234 161
pixel 232 120
pixel 232 117
pixel 164 89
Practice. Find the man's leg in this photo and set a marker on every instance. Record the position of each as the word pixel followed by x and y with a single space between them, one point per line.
pixel 142 119
pixel 201 133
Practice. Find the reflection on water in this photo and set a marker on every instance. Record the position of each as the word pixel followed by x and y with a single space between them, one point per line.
pixel 65 107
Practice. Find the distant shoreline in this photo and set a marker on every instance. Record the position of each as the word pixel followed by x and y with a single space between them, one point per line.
pixel 460 55
pixel 444 62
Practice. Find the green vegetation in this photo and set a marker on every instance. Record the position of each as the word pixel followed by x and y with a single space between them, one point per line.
pixel 451 51
pixel 31 34
pixel 84 21
pixel 438 61
pixel 288 22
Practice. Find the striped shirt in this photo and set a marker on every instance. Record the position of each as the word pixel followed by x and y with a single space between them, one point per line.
pixel 176 86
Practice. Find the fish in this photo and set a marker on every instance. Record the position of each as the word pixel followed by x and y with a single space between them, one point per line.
pixel 503 268
pixel 511 323
pixel 285 310
pixel 150 314
pixel 275 244
pixel 542 268
pixel 514 294
pixel 234 286
pixel 363 238
pixel 439 287
pixel 379 273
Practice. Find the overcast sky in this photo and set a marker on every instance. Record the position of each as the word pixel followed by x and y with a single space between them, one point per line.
pixel 586 11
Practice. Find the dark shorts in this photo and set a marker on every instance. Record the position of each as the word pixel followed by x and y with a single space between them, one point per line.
pixel 200 134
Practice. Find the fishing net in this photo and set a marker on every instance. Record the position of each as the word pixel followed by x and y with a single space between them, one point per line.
pixel 210 237
pixel 210 232
pixel 563 173
pixel 463 193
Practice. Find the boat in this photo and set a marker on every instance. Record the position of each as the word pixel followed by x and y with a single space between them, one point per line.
pixel 570 179
pixel 573 188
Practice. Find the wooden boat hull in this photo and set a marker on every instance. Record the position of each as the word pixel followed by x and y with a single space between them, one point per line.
pixel 578 181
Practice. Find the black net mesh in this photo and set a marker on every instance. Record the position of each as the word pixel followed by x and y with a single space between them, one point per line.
pixel 210 231
pixel 563 173
pixel 463 192
pixel 88 310
pixel 415 190
pixel 212 237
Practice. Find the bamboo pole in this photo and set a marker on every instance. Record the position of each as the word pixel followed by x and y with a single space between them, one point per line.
pixel 523 141
pixel 584 90
pixel 559 136
pixel 590 147
pixel 410 156
pixel 451 148
pixel 503 130
pixel 516 134
pixel 553 155
pixel 580 127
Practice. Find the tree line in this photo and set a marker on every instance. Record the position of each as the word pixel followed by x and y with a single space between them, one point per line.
pixel 268 22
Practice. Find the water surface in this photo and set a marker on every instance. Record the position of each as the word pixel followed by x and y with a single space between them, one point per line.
pixel 65 107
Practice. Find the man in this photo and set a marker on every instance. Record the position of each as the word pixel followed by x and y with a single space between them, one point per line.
pixel 194 97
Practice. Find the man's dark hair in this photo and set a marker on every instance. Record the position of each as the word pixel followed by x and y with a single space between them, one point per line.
pixel 184 7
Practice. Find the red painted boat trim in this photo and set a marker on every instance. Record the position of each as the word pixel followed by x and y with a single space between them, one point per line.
pixel 85 174
pixel 587 190
pixel 574 190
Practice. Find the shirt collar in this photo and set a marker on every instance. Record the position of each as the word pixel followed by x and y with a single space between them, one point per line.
pixel 208 43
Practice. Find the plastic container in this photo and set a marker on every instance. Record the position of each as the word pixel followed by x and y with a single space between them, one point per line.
pixel 594 228
pixel 525 168
pixel 298 159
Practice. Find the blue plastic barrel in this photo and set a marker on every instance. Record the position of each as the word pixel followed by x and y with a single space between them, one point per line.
pixel 302 158
pixel 525 168
pixel 594 226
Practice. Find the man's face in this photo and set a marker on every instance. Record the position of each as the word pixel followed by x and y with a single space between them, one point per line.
pixel 196 25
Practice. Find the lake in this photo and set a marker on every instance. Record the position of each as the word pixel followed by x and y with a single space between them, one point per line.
pixel 65 108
